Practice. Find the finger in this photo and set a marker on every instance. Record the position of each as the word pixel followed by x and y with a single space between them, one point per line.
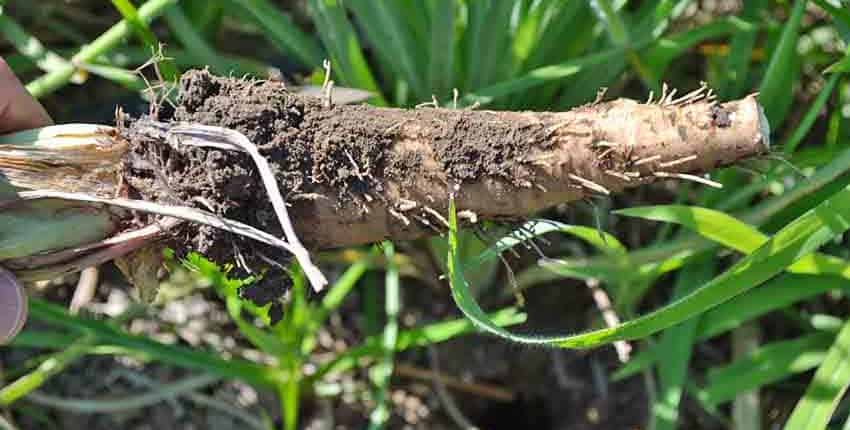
pixel 13 306
pixel 18 109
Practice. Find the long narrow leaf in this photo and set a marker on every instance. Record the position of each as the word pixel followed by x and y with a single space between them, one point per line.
pixel 797 239
pixel 815 409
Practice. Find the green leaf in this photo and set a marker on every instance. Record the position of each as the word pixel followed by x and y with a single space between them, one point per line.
pixel 282 31
pixel 778 293
pixel 768 364
pixel 383 370
pixel 107 334
pixel 193 41
pixel 441 59
pixel 141 28
pixel 736 67
pixel 100 46
pixel 540 76
pixel 340 39
pixel 777 86
pixel 487 42
pixel 730 232
pixel 383 25
pixel 797 239
pixel 814 410
pixel 417 337
pixel 675 348
pixel 802 130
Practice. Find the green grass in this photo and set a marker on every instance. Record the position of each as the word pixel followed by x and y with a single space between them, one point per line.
pixel 752 253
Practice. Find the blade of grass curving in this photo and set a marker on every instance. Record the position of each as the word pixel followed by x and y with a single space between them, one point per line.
pixel 532 229
pixel 540 76
pixel 767 365
pixel 193 41
pixel 52 365
pixel 143 31
pixel 381 372
pixel 192 359
pixel 340 39
pixel 799 238
pixel 136 56
pixel 282 31
pixel 204 16
pixel 776 294
pixel 566 32
pixel 777 85
pixel 126 78
pixel 662 258
pixel 107 41
pixel 814 410
pixel 732 233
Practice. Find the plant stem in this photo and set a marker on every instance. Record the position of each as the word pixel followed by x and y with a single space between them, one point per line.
pixel 59 77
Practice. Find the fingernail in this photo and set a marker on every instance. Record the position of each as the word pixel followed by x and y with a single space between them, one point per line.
pixel 13 306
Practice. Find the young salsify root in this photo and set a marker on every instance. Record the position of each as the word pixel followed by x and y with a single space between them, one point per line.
pixel 351 174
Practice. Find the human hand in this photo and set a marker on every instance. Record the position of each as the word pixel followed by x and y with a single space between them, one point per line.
pixel 18 111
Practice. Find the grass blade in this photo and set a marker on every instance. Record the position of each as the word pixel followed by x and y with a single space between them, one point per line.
pixel 381 372
pixel 383 26
pixel 778 293
pixel 675 349
pixel 107 41
pixel 188 358
pixel 775 91
pixel 339 37
pixel 769 364
pixel 413 338
pixel 47 369
pixel 815 409
pixel 193 41
pixel 141 28
pixel 441 59
pixel 799 238
pixel 29 45
pixel 730 232
pixel 282 32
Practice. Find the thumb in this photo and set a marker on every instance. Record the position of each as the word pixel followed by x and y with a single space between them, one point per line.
pixel 13 306
pixel 18 110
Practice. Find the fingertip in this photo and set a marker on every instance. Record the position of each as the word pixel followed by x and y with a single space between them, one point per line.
pixel 18 109
pixel 13 306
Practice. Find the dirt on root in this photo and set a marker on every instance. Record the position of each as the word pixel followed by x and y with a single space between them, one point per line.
pixel 317 150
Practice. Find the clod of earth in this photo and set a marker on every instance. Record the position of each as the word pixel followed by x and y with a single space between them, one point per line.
pixel 351 174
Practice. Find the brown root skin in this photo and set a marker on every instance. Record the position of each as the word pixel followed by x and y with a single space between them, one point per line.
pixel 603 148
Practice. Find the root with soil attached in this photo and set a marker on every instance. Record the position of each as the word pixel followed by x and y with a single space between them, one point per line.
pixel 355 174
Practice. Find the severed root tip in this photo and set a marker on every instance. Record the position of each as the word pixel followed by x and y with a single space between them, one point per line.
pixel 359 174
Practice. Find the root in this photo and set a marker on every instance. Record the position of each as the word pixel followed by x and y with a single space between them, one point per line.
pixel 360 174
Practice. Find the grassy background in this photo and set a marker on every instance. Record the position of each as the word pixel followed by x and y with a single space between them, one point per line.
pixel 725 267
